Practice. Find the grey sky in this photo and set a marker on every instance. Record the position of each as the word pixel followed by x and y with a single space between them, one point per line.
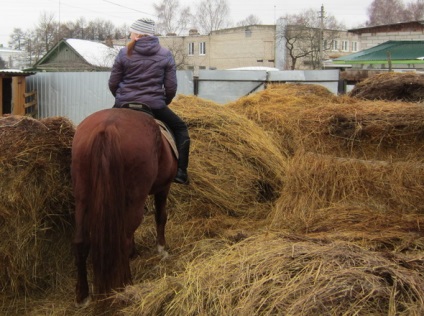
pixel 25 14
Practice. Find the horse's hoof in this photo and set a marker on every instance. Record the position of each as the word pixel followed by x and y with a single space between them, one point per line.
pixel 85 302
pixel 163 252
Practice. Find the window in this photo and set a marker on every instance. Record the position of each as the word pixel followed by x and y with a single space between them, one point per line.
pixel 345 46
pixel 354 46
pixel 335 45
pixel 190 49
pixel 202 48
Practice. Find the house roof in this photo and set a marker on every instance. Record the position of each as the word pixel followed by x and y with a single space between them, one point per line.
pixel 92 53
pixel 407 26
pixel 400 52
pixel 15 72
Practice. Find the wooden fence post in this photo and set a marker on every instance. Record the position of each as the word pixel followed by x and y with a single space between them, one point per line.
pixel 18 95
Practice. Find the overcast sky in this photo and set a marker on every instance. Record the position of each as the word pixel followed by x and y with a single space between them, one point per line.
pixel 25 14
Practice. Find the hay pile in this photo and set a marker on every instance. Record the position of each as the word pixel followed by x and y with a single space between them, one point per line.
pixel 300 203
pixel 270 274
pixel 340 126
pixel 235 167
pixel 236 173
pixel 35 202
pixel 364 217
pixel 391 86
pixel 360 199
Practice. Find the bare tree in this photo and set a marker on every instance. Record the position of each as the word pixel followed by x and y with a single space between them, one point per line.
pixel 23 41
pixel 35 47
pixel 176 45
pixel 172 18
pixel 303 36
pixel 105 28
pixel 121 31
pixel 17 39
pixel 250 20
pixel 414 11
pixel 99 30
pixel 382 12
pixel 80 28
pixel 47 31
pixel 212 15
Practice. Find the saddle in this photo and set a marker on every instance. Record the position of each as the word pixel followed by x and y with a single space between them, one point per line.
pixel 163 127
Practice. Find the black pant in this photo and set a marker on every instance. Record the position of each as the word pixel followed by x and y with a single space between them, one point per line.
pixel 180 130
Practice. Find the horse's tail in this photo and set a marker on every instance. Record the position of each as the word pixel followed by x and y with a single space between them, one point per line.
pixel 109 252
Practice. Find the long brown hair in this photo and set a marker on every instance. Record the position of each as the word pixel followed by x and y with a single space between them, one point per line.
pixel 131 44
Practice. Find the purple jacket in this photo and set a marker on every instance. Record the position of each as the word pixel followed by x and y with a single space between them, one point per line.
pixel 148 76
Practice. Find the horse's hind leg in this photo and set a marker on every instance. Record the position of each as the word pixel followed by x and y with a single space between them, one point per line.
pixel 161 218
pixel 82 247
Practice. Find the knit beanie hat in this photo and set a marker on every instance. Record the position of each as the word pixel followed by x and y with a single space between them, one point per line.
pixel 143 26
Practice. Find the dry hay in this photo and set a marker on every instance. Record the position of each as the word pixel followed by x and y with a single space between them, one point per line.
pixel 234 165
pixel 274 106
pixel 340 126
pixel 236 174
pixel 35 201
pixel 235 169
pixel 375 202
pixel 270 274
pixel 364 216
pixel 391 86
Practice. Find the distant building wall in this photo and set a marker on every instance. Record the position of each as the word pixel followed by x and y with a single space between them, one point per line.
pixel 376 35
pixel 244 46
pixel 369 40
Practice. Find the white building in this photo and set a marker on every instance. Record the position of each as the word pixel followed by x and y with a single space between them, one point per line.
pixel 13 58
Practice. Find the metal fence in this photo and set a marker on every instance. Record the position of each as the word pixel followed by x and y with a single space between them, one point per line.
pixel 78 94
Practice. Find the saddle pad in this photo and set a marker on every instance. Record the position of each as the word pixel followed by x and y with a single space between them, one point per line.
pixel 169 137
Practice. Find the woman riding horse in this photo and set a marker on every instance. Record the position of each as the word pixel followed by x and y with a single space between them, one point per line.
pixel 144 73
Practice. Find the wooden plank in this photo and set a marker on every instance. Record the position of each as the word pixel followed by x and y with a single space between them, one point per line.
pixel 1 96
pixel 30 94
pixel 31 103
pixel 18 95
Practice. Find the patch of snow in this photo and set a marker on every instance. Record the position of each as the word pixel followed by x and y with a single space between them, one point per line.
pixel 96 54
pixel 11 70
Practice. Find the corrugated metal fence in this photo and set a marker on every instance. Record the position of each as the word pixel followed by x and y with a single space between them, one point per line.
pixel 78 94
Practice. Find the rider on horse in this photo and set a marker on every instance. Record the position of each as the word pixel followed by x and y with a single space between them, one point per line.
pixel 144 72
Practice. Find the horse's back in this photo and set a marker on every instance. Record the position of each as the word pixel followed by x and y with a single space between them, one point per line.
pixel 136 130
pixel 135 127
pixel 144 150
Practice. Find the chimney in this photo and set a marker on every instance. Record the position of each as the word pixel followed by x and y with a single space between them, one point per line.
pixel 193 32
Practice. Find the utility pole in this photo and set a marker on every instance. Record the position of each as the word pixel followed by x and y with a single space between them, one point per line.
pixel 321 36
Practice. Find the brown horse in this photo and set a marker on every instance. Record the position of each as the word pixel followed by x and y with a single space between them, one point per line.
pixel 119 157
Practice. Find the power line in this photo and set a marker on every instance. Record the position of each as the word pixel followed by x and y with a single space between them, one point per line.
pixel 122 6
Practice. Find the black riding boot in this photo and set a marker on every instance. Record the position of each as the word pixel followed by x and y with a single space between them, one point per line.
pixel 183 152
